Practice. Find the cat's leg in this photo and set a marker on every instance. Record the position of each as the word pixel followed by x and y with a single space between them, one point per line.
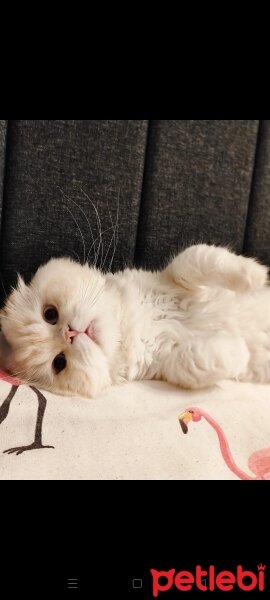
pixel 259 364
pixel 215 266
pixel 201 362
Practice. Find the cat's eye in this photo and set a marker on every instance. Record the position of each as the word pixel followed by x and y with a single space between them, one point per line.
pixel 50 314
pixel 59 363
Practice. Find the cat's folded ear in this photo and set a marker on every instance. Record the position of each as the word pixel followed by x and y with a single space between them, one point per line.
pixel 22 288
pixel 21 285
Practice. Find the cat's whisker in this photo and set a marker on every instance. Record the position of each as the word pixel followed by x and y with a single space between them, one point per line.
pixel 76 254
pixel 114 250
pixel 116 232
pixel 79 231
pixel 113 237
pixel 102 233
pixel 3 286
pixel 98 222
pixel 108 249
pixel 86 217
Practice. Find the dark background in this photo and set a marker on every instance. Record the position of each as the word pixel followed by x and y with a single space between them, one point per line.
pixel 165 184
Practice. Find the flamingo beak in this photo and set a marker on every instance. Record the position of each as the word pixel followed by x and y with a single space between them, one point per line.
pixel 183 419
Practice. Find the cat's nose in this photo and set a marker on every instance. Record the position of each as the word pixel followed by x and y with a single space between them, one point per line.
pixel 70 334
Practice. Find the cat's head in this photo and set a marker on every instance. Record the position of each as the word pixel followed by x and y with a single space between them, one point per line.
pixel 40 324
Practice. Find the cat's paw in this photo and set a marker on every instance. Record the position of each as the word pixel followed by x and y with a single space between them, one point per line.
pixel 250 277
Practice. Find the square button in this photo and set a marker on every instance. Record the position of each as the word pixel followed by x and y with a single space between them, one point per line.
pixel 137 583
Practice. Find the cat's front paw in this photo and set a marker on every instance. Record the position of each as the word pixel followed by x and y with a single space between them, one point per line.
pixel 250 277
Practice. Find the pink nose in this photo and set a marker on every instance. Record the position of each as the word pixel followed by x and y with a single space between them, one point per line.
pixel 69 334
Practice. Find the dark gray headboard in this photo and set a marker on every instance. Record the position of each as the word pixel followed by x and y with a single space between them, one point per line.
pixel 166 183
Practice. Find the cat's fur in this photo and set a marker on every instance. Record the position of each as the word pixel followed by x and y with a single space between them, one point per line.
pixel 204 318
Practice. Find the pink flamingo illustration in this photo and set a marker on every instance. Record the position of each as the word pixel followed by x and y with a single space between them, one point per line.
pixel 259 462
pixel 10 379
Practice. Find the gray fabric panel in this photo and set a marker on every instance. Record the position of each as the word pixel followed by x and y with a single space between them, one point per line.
pixel 3 131
pixel 196 186
pixel 105 158
pixel 257 242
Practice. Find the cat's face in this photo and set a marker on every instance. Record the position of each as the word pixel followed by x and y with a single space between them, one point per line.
pixel 40 324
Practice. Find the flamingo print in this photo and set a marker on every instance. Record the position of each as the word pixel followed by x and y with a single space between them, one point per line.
pixel 259 462
pixel 4 410
pixel 10 379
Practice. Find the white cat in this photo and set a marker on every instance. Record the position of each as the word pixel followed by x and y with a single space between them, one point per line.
pixel 75 330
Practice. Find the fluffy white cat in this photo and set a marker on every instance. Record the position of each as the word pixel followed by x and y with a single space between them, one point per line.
pixel 75 330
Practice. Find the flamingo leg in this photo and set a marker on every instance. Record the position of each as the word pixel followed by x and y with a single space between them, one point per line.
pixel 37 443
pixel 4 408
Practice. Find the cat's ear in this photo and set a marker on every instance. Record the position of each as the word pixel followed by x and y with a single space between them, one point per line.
pixel 21 285
pixel 22 288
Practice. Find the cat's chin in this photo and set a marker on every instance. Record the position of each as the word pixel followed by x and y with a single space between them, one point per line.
pixel 84 393
pixel 88 387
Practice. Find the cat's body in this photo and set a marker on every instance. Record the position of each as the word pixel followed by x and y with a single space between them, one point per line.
pixel 204 318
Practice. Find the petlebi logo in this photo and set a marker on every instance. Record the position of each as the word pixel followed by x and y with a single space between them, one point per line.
pixel 208 580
